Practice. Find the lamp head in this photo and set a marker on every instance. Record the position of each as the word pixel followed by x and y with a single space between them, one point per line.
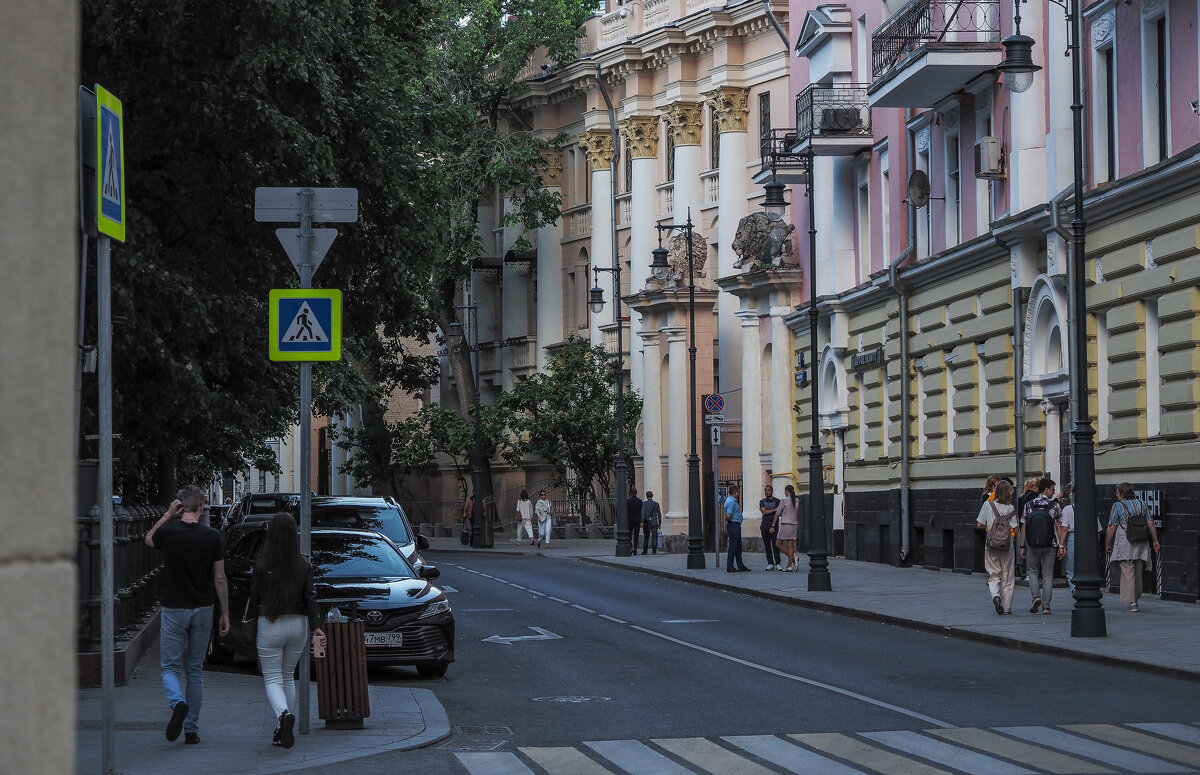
pixel 774 204
pixel 659 266
pixel 596 300
pixel 456 333
pixel 1018 66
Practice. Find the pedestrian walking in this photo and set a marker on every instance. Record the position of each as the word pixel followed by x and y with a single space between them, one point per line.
pixel 193 575
pixel 542 510
pixel 1131 534
pixel 524 517
pixel 633 516
pixel 1039 536
pixel 768 528
pixel 1066 534
pixel 789 521
pixel 733 530
pixel 1029 491
pixel 651 521
pixel 989 487
pixel 282 589
pixel 998 517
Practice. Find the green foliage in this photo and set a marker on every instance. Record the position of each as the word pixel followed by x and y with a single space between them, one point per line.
pixel 567 415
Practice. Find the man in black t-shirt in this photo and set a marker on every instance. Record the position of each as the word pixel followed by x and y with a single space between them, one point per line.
pixel 633 514
pixel 769 527
pixel 193 575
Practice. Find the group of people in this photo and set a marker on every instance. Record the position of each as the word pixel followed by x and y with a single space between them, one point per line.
pixel 777 528
pixel 194 580
pixel 1040 527
pixel 526 511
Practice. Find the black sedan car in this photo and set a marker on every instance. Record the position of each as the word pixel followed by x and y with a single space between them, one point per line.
pixel 361 573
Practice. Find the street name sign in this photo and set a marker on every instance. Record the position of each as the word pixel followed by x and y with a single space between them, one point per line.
pixel 306 324
pixel 110 155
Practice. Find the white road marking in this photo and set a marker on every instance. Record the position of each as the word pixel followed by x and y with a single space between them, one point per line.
pixel 801 679
pixel 688 621
pixel 558 600
pixel 581 608
pixel 508 640
pixel 613 619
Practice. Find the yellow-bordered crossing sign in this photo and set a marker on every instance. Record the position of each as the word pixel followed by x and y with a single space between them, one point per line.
pixel 306 324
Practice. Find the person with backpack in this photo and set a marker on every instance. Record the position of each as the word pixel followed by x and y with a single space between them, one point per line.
pixel 1131 533
pixel 999 518
pixel 1039 539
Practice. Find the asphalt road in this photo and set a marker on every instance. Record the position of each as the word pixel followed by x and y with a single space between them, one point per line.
pixel 557 659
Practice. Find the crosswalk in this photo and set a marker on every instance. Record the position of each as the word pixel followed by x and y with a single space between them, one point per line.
pixel 1070 749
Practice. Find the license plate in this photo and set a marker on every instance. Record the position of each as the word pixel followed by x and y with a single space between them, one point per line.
pixel 384 638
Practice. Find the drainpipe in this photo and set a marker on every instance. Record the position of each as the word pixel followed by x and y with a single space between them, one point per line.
pixel 787 44
pixel 898 288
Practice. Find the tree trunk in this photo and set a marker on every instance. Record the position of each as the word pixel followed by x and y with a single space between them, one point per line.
pixel 458 354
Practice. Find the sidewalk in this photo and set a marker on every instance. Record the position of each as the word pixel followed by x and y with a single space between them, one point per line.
pixel 949 604
pixel 236 725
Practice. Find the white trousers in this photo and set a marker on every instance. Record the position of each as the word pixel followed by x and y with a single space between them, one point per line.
pixel 527 524
pixel 280 644
pixel 1000 569
pixel 544 530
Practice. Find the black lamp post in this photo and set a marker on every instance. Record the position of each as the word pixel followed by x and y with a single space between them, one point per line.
pixel 818 549
pixel 596 303
pixel 659 268
pixel 457 336
pixel 1087 618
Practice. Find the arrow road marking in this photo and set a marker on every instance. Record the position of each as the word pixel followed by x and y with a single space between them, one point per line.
pixel 508 640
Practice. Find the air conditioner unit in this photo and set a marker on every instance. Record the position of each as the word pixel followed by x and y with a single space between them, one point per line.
pixel 989 158
pixel 836 121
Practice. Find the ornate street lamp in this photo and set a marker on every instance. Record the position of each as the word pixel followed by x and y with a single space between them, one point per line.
pixel 1087 618
pixel 596 304
pixel 457 336
pixel 659 268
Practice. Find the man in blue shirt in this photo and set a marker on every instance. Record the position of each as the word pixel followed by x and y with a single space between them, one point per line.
pixel 733 529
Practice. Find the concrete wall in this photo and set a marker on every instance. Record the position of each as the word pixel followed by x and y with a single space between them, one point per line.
pixel 38 253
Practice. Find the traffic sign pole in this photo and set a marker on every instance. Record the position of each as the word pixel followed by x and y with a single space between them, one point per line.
pixel 306 274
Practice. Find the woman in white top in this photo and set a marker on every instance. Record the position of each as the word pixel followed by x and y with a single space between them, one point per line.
pixel 999 562
pixel 524 516
pixel 1131 556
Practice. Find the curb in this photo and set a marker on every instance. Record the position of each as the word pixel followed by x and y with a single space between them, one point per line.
pixel 960 633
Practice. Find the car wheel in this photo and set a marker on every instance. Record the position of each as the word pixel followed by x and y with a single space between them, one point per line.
pixel 217 654
pixel 432 671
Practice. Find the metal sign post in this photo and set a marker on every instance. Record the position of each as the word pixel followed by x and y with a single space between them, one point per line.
pixel 337 205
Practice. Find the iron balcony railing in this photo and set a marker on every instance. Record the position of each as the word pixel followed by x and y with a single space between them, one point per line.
pixel 921 22
pixel 779 150
pixel 840 110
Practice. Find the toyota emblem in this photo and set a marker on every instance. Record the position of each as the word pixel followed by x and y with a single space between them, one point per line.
pixel 374 617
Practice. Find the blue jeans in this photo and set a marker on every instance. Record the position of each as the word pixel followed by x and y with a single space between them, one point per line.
pixel 183 635
pixel 734 531
pixel 1069 561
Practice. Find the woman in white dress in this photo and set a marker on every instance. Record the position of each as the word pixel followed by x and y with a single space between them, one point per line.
pixel 524 517
pixel 1132 556
pixel 999 563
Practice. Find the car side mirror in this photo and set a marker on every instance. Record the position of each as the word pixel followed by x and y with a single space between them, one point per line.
pixel 422 542
pixel 430 572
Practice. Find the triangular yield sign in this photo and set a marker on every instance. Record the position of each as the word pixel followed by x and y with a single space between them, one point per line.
pixel 320 242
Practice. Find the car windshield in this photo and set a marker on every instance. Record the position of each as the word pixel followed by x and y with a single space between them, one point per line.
pixel 345 556
pixel 383 519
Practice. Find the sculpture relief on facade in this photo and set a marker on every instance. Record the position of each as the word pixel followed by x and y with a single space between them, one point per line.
pixel 641 134
pixel 762 243
pixel 684 120
pixel 732 106
pixel 598 147
pixel 677 263
pixel 552 168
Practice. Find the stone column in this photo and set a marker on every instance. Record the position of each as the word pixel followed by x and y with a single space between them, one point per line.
pixel 641 136
pixel 597 145
pixel 652 408
pixel 752 423
pixel 514 299
pixel 684 120
pixel 549 268
pixel 732 107
pixel 1053 454
pixel 783 442
pixel 677 423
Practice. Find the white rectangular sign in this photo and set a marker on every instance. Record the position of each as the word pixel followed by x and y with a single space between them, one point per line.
pixel 714 419
pixel 284 205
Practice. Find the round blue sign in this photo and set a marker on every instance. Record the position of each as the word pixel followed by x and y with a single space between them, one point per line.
pixel 714 403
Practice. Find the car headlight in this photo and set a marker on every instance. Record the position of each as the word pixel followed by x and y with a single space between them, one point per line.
pixel 436 607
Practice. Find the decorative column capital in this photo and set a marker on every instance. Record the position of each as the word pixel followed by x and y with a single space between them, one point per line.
pixel 684 121
pixel 749 317
pixel 598 147
pixel 552 168
pixel 641 133
pixel 649 338
pixel 732 106
pixel 675 334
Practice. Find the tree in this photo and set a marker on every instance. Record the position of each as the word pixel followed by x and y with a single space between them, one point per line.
pixel 221 97
pixel 567 416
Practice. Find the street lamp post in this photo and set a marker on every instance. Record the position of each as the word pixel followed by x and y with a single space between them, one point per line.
pixel 659 267
pixel 818 549
pixel 457 335
pixel 596 303
pixel 1087 618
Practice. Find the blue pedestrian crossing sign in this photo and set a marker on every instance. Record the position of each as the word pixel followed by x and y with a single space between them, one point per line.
pixel 306 324
pixel 110 159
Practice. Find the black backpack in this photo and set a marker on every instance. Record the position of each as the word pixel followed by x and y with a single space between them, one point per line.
pixel 1039 527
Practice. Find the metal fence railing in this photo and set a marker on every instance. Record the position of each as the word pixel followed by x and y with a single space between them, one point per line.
pixel 921 22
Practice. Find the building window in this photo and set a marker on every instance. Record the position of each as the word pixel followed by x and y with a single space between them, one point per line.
pixel 627 170
pixel 984 204
pixel 1153 371
pixel 670 150
pixel 764 121
pixel 1104 127
pixel 714 139
pixel 863 216
pixel 885 204
pixel 1154 91
pixel 953 192
pixel 1102 371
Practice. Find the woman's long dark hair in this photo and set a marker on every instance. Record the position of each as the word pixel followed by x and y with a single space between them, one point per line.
pixel 281 568
pixel 790 492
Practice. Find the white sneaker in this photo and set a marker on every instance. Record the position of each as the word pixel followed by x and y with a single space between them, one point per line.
pixel 770 567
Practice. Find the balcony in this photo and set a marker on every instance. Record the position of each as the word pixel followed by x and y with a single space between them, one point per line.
pixel 781 158
pixel 833 120
pixel 932 48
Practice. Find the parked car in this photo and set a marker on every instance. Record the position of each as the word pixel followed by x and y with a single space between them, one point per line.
pixel 383 515
pixel 361 573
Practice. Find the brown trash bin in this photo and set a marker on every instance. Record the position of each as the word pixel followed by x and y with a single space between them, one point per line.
pixel 342 699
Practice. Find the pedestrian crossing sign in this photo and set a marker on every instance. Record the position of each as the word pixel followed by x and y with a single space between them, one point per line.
pixel 110 160
pixel 306 324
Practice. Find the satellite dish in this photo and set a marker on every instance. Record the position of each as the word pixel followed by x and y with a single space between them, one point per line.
pixel 918 189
